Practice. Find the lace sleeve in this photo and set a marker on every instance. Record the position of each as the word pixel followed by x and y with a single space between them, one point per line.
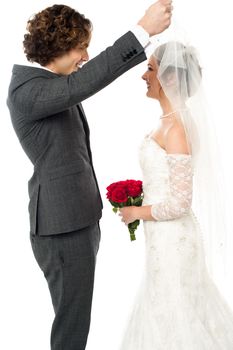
pixel 179 199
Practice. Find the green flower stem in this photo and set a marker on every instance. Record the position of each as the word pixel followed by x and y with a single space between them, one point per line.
pixel 132 228
pixel 132 235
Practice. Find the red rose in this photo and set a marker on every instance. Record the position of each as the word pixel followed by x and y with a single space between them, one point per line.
pixel 134 188
pixel 121 190
pixel 119 194
pixel 110 188
pixel 116 186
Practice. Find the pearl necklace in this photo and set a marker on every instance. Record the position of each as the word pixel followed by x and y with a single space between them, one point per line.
pixel 167 115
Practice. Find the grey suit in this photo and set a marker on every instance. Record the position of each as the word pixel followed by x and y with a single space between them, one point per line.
pixel 50 123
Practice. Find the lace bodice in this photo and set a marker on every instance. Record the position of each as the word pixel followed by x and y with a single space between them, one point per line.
pixel 167 180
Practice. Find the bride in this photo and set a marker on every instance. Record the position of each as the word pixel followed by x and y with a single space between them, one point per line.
pixel 178 306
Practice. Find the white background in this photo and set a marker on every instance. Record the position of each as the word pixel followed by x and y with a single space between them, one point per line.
pixel 119 117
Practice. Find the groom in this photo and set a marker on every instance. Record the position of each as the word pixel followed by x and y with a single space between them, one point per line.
pixel 46 112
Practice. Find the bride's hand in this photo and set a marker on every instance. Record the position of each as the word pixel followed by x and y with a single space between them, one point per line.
pixel 128 214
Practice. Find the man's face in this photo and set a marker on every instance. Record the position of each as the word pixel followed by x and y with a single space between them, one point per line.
pixel 71 61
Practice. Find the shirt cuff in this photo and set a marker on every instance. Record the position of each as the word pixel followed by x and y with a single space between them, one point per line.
pixel 142 35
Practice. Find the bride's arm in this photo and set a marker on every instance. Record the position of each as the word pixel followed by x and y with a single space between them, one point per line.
pixel 179 199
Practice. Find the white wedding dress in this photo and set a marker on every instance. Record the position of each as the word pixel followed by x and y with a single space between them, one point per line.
pixel 178 306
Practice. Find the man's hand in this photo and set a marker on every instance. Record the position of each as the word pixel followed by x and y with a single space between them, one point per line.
pixel 157 18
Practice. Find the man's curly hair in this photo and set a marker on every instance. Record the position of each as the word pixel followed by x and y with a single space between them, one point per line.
pixel 53 32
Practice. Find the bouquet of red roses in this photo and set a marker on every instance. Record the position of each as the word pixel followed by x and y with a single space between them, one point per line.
pixel 126 193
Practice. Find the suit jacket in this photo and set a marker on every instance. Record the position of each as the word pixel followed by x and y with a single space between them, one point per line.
pixel 51 126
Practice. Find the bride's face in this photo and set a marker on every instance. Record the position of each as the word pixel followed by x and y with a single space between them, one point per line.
pixel 150 76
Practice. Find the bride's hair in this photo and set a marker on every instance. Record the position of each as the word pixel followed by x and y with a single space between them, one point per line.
pixel 190 69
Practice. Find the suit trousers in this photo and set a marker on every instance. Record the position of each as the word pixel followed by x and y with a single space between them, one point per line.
pixel 68 261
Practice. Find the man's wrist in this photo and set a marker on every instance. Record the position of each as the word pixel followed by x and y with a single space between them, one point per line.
pixel 140 24
pixel 142 35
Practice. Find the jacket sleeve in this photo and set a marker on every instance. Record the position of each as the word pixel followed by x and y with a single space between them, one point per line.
pixel 42 97
pixel 179 199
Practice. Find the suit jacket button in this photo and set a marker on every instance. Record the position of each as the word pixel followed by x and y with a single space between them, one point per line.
pixel 124 57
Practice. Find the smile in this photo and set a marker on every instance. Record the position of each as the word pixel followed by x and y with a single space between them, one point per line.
pixel 78 65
